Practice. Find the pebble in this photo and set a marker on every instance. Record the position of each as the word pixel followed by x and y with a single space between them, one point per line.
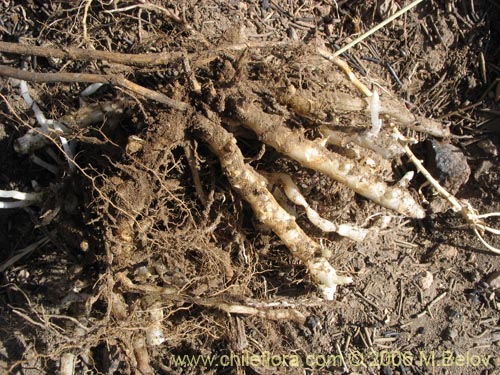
pixel 473 297
pixel 313 322
pixel 453 313
pixel 448 165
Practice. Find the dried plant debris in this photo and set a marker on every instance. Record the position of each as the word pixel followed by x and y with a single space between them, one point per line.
pixel 218 187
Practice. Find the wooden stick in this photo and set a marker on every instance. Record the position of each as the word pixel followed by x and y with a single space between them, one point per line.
pixel 143 59
pixel 116 80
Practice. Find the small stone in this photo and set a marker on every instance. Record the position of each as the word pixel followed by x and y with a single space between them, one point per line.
pixel 313 322
pixel 448 165
pixel 494 280
pixel 453 313
pixel 425 279
pixel 473 297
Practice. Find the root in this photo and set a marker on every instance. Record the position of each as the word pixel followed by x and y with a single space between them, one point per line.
pixel 337 102
pixel 263 310
pixel 293 193
pixel 112 79
pixel 252 187
pixel 271 130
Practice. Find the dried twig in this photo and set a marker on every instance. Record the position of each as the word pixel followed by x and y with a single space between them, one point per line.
pixel 143 59
pixel 376 28
pixel 111 79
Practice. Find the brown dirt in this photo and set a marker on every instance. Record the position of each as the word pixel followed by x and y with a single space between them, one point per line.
pixel 132 234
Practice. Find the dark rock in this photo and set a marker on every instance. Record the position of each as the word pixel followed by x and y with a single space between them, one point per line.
pixel 448 165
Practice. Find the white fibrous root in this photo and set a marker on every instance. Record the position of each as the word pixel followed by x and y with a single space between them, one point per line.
pixel 404 182
pixel 109 112
pixel 293 193
pixel 272 131
pixel 22 199
pixel 91 89
pixel 468 213
pixel 370 139
pixel 42 163
pixel 68 147
pixel 252 188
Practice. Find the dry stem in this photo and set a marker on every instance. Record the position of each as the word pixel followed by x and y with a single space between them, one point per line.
pixel 468 213
pixel 115 80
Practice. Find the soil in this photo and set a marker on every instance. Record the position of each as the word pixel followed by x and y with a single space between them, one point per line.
pixel 142 268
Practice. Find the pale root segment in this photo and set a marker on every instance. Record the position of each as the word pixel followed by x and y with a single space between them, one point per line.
pixel 392 108
pixel 252 188
pixel 305 104
pixel 272 131
pixel 293 193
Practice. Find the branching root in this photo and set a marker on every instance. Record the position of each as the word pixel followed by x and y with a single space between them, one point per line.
pixel 271 130
pixel 252 187
pixel 293 193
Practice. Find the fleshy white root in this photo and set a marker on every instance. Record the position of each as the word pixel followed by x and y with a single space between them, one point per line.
pixel 35 139
pixel 293 193
pixel 271 130
pixel 387 147
pixel 374 115
pixel 23 199
pixel 252 187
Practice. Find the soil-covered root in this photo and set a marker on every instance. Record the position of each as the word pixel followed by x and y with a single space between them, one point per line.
pixel 304 103
pixel 272 131
pixel 252 187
